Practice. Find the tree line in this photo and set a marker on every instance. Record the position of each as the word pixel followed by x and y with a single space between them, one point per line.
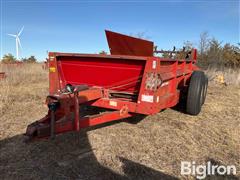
pixel 9 58
pixel 211 52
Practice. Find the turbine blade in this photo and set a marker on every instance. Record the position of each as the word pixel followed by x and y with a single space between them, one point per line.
pixel 20 32
pixel 12 35
pixel 18 40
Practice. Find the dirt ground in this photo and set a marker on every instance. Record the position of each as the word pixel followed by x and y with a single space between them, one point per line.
pixel 150 148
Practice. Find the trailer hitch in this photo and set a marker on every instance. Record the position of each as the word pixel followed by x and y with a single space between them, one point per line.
pixel 64 113
pixel 53 105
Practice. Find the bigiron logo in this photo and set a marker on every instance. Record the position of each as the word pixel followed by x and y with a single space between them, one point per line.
pixel 201 171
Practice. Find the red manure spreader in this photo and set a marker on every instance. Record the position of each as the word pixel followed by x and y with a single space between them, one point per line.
pixel 129 82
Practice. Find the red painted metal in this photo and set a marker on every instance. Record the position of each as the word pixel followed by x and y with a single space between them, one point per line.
pixel 103 72
pixel 41 128
pixel 76 110
pixel 130 81
pixel 120 44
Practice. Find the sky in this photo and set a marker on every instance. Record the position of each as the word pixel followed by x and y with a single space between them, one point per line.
pixel 78 26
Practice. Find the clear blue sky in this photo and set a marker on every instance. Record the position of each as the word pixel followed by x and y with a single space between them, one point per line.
pixel 78 26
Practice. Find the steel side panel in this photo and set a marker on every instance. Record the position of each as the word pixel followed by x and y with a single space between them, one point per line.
pixel 179 73
pixel 104 72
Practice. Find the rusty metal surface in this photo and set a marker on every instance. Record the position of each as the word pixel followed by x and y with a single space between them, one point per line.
pixel 2 75
pixel 120 44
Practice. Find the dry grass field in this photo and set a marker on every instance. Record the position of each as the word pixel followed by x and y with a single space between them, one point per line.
pixel 150 148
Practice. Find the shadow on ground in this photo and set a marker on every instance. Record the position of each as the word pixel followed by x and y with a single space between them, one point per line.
pixel 69 156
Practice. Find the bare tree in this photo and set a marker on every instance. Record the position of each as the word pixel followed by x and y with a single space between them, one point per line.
pixel 141 35
pixel 203 45
pixel 214 53
pixel 103 52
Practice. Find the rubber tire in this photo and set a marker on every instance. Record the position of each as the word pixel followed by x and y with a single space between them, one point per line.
pixel 205 89
pixel 195 93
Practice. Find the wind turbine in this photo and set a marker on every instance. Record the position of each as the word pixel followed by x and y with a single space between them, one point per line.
pixel 18 43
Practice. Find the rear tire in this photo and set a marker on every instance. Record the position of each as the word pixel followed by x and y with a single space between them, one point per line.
pixel 205 89
pixel 195 96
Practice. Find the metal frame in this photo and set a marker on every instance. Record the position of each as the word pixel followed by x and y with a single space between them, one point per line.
pixel 159 88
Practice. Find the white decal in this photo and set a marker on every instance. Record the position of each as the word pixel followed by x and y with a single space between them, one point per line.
pixel 147 98
pixel 154 65
pixel 113 103
pixel 51 58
